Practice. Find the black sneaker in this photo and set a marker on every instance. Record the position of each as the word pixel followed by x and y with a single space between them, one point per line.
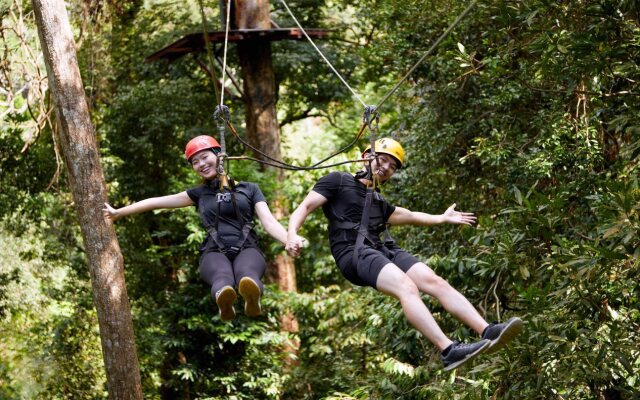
pixel 251 293
pixel 459 353
pixel 501 334
pixel 225 298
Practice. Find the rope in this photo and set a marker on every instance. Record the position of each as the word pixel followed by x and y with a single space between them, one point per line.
pixel 293 167
pixel 371 118
pixel 371 115
pixel 433 46
pixel 222 115
pixel 224 58
pixel 322 55
pixel 284 165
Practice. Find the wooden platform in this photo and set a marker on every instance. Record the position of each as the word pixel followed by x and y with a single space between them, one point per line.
pixel 194 42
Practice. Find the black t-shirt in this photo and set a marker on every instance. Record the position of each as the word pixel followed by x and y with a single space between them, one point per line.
pixel 346 197
pixel 207 197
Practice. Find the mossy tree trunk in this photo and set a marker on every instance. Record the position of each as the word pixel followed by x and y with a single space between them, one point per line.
pixel 80 151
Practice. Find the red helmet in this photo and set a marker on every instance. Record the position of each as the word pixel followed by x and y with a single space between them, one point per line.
pixel 198 143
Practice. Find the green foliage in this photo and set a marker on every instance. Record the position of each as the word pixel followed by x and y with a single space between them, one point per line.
pixel 527 114
pixel 49 338
pixel 530 125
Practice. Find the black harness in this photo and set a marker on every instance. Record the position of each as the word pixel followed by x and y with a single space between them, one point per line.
pixel 362 228
pixel 225 194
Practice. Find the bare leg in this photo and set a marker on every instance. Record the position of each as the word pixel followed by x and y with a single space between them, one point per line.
pixel 453 301
pixel 396 283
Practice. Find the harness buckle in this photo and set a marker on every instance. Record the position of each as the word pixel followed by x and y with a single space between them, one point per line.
pixel 231 251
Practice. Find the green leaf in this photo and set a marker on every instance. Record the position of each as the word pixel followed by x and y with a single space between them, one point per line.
pixel 518 195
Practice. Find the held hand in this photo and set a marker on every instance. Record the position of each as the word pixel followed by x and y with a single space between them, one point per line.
pixel 109 212
pixel 294 245
pixel 452 216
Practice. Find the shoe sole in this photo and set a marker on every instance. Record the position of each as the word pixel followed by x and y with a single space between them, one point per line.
pixel 513 329
pixel 469 357
pixel 225 301
pixel 251 293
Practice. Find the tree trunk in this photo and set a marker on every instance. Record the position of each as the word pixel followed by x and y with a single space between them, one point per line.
pixel 86 180
pixel 263 131
pixel 259 79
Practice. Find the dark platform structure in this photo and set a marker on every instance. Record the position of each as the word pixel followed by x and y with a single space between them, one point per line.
pixel 195 43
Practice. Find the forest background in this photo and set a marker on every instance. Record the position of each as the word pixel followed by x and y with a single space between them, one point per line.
pixel 527 114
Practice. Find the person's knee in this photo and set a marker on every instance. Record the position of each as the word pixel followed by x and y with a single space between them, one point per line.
pixel 422 273
pixel 437 286
pixel 436 280
pixel 408 288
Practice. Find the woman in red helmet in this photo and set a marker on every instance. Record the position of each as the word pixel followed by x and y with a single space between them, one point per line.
pixel 229 257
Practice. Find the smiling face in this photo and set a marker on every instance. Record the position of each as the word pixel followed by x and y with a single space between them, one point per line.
pixel 384 166
pixel 205 163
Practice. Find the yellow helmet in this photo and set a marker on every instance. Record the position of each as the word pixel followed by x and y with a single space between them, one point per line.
pixel 388 146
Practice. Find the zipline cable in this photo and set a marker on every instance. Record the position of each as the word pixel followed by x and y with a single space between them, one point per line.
pixel 218 94
pixel 293 168
pixel 322 55
pixel 222 113
pixel 371 113
pixel 284 165
pixel 372 117
pixel 425 55
pixel 224 57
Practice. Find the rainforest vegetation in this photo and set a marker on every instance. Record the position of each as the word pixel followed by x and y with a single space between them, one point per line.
pixel 527 114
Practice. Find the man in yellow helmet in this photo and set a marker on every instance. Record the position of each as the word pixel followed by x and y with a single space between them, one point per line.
pixel 357 216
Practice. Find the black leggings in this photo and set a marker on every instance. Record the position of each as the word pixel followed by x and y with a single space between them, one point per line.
pixel 219 271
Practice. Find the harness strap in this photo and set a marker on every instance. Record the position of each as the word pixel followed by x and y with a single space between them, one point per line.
pixel 246 226
pixel 213 232
pixel 363 230
pixel 388 239
pixel 345 225
pixel 348 225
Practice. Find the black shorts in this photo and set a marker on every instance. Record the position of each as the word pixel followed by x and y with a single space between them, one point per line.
pixel 371 260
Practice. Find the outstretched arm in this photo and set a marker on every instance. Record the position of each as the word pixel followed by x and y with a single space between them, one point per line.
pixel 270 223
pixel 402 216
pixel 308 205
pixel 177 200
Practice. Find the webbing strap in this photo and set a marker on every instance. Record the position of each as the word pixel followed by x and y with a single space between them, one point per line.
pixel 347 225
pixel 363 230
pixel 388 240
pixel 213 232
pixel 246 226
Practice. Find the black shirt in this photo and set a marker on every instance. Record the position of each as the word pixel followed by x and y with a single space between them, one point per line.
pixel 207 197
pixel 346 196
